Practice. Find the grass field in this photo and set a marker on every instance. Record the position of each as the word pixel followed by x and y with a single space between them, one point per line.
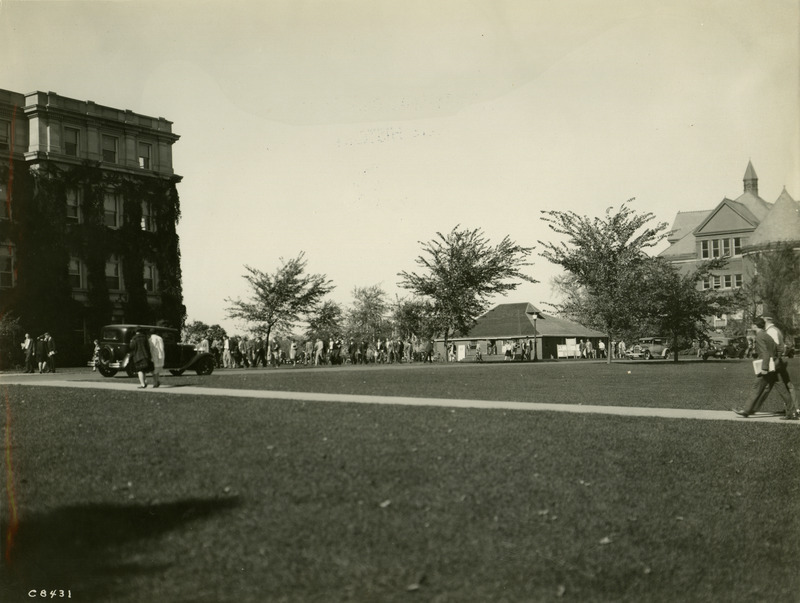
pixel 137 497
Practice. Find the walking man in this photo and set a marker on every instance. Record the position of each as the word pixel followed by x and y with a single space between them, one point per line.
pixel 29 350
pixel 765 379
pixel 782 369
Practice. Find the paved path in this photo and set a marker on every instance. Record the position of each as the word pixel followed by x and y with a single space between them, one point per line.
pixel 188 390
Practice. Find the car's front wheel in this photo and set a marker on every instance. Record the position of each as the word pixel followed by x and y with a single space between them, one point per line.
pixel 205 366
pixel 648 355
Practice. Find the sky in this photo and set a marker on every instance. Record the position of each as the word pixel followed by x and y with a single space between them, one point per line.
pixel 353 131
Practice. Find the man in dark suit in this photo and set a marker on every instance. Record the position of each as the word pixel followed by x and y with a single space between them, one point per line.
pixel 50 347
pixel 765 379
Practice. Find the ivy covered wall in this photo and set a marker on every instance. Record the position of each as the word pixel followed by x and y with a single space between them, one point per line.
pixel 44 239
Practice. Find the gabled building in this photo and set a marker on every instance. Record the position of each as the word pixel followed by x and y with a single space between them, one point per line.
pixel 519 323
pixel 736 229
pixel 88 219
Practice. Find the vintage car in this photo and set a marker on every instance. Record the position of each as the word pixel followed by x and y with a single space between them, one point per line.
pixel 178 357
pixel 649 348
pixel 725 347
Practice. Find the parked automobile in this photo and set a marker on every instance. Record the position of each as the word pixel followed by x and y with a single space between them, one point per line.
pixel 725 347
pixel 648 348
pixel 178 357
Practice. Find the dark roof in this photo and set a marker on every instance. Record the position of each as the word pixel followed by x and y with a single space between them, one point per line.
pixel 781 225
pixel 685 222
pixel 514 320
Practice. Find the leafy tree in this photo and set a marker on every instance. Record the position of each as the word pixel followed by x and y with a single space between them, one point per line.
pixel 775 286
pixel 462 272
pixel 325 323
pixel 195 331
pixel 606 257
pixel 677 307
pixel 366 318
pixel 10 340
pixel 414 317
pixel 279 300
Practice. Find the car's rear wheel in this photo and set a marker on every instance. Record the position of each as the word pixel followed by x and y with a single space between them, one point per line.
pixel 205 366
pixel 106 370
pixel 130 369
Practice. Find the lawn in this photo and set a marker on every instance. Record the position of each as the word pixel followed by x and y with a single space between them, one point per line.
pixel 712 385
pixel 138 497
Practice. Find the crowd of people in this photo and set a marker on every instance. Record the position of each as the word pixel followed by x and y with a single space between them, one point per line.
pixel 39 353
pixel 247 352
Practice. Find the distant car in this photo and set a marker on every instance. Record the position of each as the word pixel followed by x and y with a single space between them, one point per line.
pixel 648 348
pixel 114 353
pixel 725 347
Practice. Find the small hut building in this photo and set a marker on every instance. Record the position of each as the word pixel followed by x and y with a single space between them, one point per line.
pixel 521 324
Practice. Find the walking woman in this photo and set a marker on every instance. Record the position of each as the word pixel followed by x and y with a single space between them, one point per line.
pixel 156 343
pixel 140 355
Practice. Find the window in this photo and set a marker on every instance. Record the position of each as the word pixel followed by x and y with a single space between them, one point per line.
pixel 147 216
pixel 704 249
pixel 71 137
pixel 73 207
pixel 727 281
pixel 716 282
pixel 737 246
pixel 737 280
pixel 111 215
pixel 5 135
pixel 7 266
pixel 145 153
pixel 715 248
pixel 113 280
pixel 75 273
pixel 149 278
pixel 109 149
pixel 726 247
pixel 706 283
pixel 5 203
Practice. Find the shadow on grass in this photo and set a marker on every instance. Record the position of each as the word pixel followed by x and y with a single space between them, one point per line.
pixel 80 547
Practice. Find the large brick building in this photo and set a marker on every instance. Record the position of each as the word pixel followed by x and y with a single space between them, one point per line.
pixel 737 229
pixel 88 219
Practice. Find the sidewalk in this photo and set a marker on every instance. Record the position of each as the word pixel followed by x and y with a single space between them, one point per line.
pixel 188 390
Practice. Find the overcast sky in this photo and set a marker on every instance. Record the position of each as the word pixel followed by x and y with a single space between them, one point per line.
pixel 353 130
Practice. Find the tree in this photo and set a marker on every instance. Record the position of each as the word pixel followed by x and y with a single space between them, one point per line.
pixel 279 300
pixel 366 318
pixel 775 286
pixel 606 256
pixel 677 307
pixel 414 317
pixel 10 340
pixel 463 271
pixel 325 323
pixel 196 330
